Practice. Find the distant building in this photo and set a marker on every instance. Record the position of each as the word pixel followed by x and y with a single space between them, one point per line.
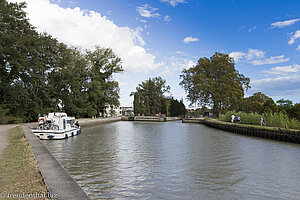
pixel 126 111
pixel 112 111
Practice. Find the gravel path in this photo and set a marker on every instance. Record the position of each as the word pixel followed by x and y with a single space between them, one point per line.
pixel 3 136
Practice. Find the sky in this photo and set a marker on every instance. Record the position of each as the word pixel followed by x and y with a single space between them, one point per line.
pixel 163 37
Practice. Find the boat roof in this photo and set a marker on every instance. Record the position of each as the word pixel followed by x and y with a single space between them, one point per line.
pixel 58 114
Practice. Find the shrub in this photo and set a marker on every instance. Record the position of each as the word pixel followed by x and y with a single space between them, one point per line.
pixel 277 119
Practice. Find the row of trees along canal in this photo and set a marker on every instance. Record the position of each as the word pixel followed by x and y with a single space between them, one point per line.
pixel 216 83
pixel 149 99
pixel 38 73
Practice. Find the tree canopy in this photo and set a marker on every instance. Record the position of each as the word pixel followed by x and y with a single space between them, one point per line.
pixel 258 103
pixel 39 74
pixel 215 82
pixel 177 108
pixel 149 97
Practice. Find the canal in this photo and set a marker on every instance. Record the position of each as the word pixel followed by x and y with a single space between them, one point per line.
pixel 174 160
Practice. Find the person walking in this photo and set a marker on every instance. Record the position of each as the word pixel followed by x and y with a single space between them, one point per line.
pixel 232 118
pixel 261 121
pixel 238 119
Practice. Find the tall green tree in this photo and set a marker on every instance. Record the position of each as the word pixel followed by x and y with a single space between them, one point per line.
pixel 294 112
pixel 177 108
pixel 284 105
pixel 215 82
pixel 258 103
pixel 39 74
pixel 149 97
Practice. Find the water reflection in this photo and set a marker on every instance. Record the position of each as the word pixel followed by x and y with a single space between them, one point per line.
pixel 140 160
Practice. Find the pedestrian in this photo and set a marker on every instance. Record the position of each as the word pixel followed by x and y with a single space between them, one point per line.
pixel 261 121
pixel 238 119
pixel 232 118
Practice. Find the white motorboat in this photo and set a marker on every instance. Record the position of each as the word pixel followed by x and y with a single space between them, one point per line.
pixel 56 126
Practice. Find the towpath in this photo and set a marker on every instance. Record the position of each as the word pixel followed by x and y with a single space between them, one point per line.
pixel 3 136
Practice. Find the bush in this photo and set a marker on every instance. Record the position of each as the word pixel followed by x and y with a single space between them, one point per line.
pixel 5 118
pixel 278 119
pixel 246 118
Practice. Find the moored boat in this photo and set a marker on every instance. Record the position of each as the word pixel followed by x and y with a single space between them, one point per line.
pixel 56 126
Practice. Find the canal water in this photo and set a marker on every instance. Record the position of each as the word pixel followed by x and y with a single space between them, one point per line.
pixel 172 160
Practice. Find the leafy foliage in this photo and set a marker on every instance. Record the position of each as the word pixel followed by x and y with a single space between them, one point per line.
pixel 177 108
pixel 259 103
pixel 277 119
pixel 38 74
pixel 215 82
pixel 148 97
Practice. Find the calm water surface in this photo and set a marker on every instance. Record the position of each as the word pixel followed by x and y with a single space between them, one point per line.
pixel 171 160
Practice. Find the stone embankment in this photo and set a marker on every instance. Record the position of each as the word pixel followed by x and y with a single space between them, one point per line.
pixel 150 118
pixel 58 181
pixel 96 121
pixel 272 133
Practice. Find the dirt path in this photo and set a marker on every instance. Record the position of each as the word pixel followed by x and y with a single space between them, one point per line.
pixel 3 136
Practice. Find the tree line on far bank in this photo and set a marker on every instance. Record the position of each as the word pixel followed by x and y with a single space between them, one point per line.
pixel 214 85
pixel 214 82
pixel 150 99
pixel 38 74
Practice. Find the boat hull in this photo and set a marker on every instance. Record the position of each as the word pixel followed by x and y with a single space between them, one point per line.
pixel 56 134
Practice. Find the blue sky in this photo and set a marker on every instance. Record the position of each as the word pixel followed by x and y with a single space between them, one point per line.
pixel 162 37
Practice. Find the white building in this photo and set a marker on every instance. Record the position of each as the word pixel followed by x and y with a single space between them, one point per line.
pixel 126 111
pixel 112 111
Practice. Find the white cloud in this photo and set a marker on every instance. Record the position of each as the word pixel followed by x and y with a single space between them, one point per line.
pixel 283 85
pixel 147 11
pixel 251 29
pixel 173 2
pixel 280 81
pixel 257 57
pixel 282 24
pixel 189 64
pixel 271 60
pixel 255 53
pixel 123 84
pixel 284 70
pixel 167 18
pixel 176 65
pixel 298 48
pixel 87 29
pixel 251 54
pixel 190 39
pixel 294 37
pixel 237 55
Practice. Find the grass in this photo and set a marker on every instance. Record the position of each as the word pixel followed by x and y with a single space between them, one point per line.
pixel 19 172
pixel 253 126
pixel 271 119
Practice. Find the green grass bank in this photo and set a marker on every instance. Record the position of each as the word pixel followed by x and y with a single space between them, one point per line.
pixel 19 172
pixel 279 119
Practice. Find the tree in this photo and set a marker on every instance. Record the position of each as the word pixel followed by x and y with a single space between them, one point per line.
pixel 177 108
pixel 295 111
pixel 148 97
pixel 284 105
pixel 38 74
pixel 214 82
pixel 258 103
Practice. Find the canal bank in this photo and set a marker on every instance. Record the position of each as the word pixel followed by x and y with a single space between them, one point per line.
pixel 272 133
pixel 174 160
pixel 150 118
pixel 58 181
pixel 97 121
pixel 56 178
